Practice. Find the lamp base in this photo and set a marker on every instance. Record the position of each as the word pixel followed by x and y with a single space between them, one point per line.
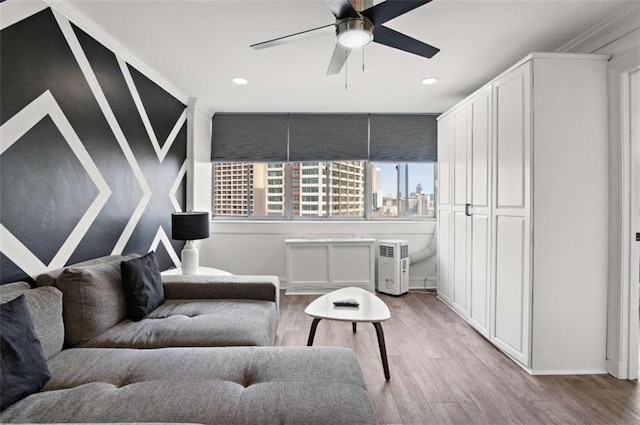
pixel 189 256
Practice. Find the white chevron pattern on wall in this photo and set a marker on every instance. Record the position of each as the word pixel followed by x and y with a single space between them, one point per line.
pixel 161 236
pixel 176 184
pixel 89 75
pixel 13 130
pixel 161 152
pixel 168 199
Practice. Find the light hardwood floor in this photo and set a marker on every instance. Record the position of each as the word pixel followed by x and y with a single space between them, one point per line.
pixel 443 372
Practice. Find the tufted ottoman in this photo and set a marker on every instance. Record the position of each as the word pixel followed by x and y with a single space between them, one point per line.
pixel 235 385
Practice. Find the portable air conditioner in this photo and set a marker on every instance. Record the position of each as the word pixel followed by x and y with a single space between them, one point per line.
pixel 393 266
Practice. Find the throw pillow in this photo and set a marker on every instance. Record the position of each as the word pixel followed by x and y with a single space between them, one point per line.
pixel 142 285
pixel 23 368
pixel 93 300
pixel 45 309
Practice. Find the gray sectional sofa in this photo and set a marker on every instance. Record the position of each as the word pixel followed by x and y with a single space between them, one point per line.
pixel 205 311
pixel 184 362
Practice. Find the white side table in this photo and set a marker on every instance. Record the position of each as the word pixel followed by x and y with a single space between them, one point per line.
pixel 201 271
pixel 371 309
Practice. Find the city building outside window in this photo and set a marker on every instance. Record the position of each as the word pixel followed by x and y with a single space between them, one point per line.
pixel 311 190
pixel 402 190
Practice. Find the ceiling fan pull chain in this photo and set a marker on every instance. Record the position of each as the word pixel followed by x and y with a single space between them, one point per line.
pixel 346 70
pixel 363 59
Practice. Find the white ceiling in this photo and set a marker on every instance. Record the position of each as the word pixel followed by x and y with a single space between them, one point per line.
pixel 200 45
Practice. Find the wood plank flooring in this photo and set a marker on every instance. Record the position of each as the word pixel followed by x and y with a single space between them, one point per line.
pixel 443 372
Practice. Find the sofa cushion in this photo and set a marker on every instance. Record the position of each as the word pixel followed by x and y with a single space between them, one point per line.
pixel 45 308
pixel 23 368
pixel 93 300
pixel 50 278
pixel 266 288
pixel 235 385
pixel 142 285
pixel 196 323
pixel 13 286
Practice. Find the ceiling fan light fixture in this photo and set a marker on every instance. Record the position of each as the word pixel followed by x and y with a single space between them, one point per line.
pixel 354 33
pixel 355 39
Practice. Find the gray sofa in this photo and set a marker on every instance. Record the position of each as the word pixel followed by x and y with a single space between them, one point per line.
pixel 207 385
pixel 205 311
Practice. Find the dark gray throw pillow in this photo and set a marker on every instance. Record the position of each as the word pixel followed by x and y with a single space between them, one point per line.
pixel 23 369
pixel 142 285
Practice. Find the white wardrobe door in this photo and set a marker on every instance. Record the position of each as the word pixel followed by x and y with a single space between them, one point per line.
pixel 480 158
pixel 511 225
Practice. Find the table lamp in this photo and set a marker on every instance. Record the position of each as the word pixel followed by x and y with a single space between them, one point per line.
pixel 189 226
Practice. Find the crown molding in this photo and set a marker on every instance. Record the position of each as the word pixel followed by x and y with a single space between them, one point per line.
pixel 611 29
pixel 101 35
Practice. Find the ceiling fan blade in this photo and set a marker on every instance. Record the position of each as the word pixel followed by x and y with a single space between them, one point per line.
pixel 397 40
pixel 286 38
pixel 342 9
pixel 386 11
pixel 340 55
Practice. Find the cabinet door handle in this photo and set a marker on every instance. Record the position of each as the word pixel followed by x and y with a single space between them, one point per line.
pixel 467 210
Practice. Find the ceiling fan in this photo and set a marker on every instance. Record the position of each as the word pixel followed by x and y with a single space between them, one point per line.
pixel 356 29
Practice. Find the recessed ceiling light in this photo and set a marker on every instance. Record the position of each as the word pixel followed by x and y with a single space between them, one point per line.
pixel 240 81
pixel 430 80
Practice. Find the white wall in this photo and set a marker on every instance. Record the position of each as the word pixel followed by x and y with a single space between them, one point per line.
pixel 619 37
pixel 202 162
pixel 257 247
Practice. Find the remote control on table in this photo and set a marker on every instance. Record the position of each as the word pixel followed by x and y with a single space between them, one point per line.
pixel 349 302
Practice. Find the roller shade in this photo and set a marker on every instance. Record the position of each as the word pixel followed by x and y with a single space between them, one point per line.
pixel 326 137
pixel 249 137
pixel 323 137
pixel 404 138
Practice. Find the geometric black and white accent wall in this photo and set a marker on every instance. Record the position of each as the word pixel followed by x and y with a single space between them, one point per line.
pixel 92 152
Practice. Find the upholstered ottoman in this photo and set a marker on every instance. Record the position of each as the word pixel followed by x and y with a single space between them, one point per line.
pixel 236 385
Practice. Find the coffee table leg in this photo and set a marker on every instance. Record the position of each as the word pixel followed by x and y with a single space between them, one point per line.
pixel 383 349
pixel 312 332
pixel 353 325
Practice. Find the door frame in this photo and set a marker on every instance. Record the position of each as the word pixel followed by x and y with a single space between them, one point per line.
pixel 623 303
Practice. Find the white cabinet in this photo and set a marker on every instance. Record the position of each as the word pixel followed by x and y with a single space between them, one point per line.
pixel 461 196
pixel 467 147
pixel 511 218
pixel 480 211
pixel 525 263
pixel 316 266
pixel 445 145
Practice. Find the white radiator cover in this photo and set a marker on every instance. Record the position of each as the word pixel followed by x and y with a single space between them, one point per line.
pixel 321 265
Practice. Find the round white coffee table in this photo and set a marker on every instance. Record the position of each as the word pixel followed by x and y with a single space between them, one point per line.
pixel 371 309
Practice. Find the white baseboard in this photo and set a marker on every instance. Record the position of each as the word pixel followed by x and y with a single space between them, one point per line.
pixel 568 372
pixel 420 283
pixel 615 369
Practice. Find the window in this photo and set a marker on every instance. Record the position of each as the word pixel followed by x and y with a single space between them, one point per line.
pixel 403 190
pixel 324 189
pixel 242 189
pixel 333 182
